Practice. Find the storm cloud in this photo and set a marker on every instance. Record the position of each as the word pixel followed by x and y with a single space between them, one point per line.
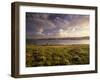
pixel 44 25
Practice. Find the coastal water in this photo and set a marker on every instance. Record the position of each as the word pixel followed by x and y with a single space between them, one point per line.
pixel 57 42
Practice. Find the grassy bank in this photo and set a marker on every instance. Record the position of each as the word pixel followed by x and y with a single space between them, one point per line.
pixel 56 55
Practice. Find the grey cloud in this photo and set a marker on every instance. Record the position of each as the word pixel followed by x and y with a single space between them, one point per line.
pixel 40 24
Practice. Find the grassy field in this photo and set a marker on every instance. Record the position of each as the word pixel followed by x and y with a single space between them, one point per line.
pixel 56 55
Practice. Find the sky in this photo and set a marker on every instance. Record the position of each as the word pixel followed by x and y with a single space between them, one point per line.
pixel 49 25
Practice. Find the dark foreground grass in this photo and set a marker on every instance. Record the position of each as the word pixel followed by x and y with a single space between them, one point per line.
pixel 56 55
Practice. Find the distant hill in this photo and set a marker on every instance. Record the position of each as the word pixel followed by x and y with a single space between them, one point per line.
pixel 65 38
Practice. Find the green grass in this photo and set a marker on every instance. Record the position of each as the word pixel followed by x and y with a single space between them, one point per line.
pixel 56 55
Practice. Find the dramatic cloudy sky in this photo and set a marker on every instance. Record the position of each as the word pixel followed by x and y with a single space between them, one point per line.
pixel 46 25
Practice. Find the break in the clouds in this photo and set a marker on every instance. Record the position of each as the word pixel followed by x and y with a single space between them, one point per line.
pixel 48 25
